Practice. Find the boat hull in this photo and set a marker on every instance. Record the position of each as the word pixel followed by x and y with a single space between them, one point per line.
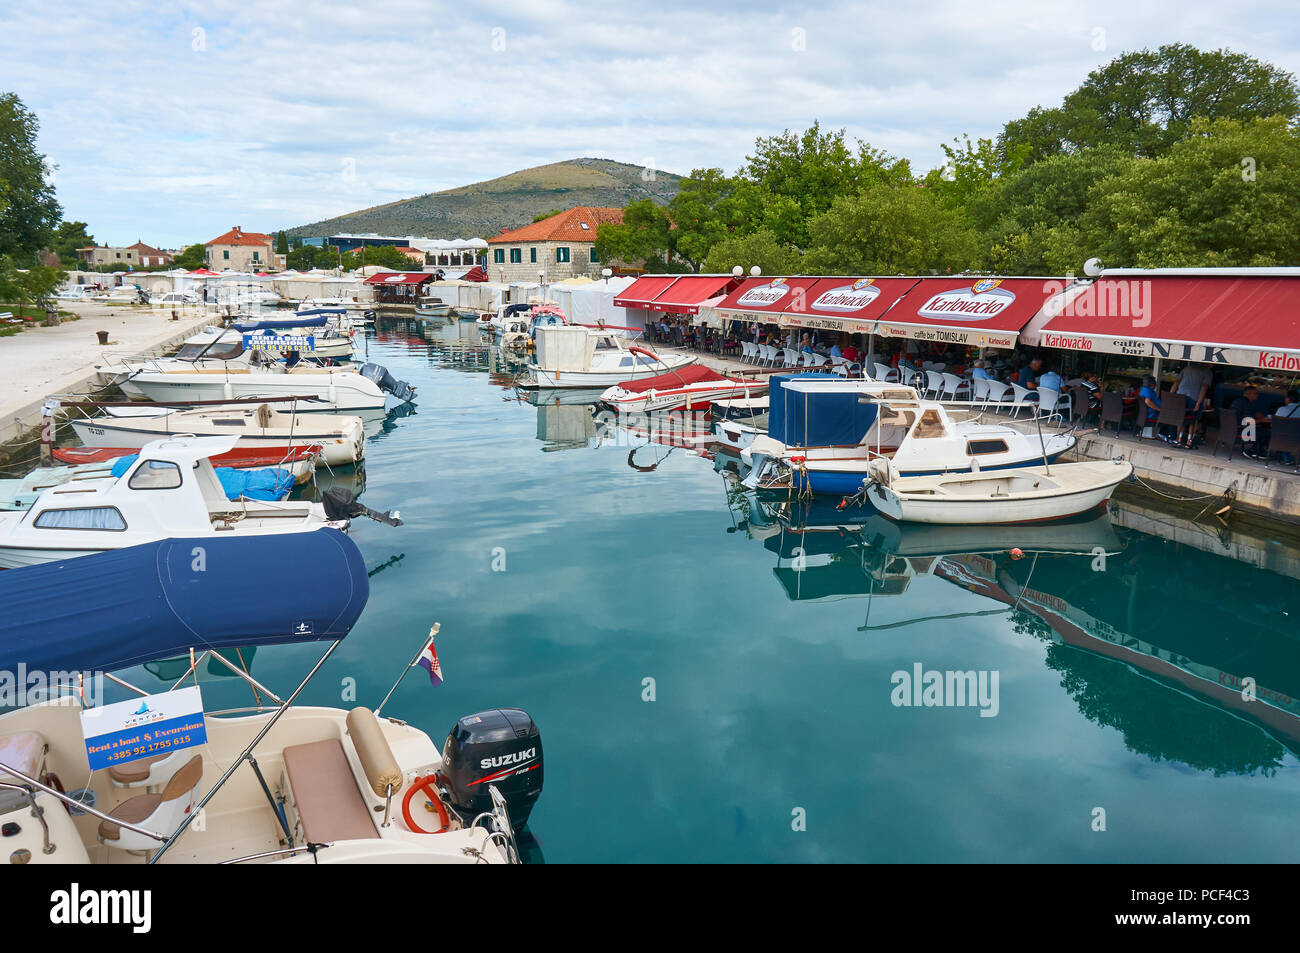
pixel 848 482
pixel 341 393
pixel 916 500
pixel 602 379
pixel 339 448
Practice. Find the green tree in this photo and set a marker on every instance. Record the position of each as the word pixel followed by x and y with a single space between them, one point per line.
pixel 282 244
pixel 891 229
pixel 191 257
pixel 29 211
pixel 757 248
pixel 708 207
pixel 1227 194
pixel 540 216
pixel 1145 101
pixel 645 236
pixel 385 256
pixel 68 237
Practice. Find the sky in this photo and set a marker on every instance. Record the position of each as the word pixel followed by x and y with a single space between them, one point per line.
pixel 172 123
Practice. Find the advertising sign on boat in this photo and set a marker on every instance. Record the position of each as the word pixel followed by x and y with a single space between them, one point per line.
pixel 143 727
pixel 280 343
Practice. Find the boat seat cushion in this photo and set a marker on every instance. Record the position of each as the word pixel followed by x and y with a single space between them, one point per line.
pixel 132 811
pixel 23 751
pixel 325 793
pixel 134 771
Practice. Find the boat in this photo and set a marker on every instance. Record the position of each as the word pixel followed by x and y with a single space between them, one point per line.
pixel 573 356
pixel 367 387
pixel 274 782
pixel 1032 494
pixel 693 387
pixel 298 458
pixel 824 432
pixel 239 483
pixel 431 307
pixel 237 342
pixel 123 294
pixel 259 429
pixel 170 490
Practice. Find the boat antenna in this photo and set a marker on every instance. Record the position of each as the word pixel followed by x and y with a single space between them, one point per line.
pixel 1042 445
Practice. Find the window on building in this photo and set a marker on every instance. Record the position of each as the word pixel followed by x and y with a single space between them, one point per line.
pixel 516 256
pixel 562 254
pixel 226 254
pixel 593 253
pixel 532 255
pixel 255 256
pixel 119 254
pixel 498 256
pixel 90 517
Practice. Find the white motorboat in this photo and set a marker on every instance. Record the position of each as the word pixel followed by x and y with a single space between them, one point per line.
pixel 123 294
pixel 321 785
pixel 214 344
pixel 367 387
pixel 1032 494
pixel 176 299
pixel 171 490
pixel 256 426
pixel 432 307
pixel 825 431
pixel 573 356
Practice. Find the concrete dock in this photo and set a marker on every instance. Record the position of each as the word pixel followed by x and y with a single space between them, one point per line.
pixel 40 361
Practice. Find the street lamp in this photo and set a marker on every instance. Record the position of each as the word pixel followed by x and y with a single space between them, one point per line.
pixel 737 271
pixel 756 271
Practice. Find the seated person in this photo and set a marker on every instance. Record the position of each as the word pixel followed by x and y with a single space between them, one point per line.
pixel 980 372
pixel 1148 404
pixel 850 354
pixel 835 350
pixel 1250 409
pixel 1028 377
pixel 1051 380
pixel 1292 406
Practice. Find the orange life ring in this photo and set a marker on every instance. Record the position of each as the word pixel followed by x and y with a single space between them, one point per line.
pixel 424 784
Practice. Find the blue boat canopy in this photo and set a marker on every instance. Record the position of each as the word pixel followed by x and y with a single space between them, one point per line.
pixel 271 324
pixel 814 417
pixel 128 606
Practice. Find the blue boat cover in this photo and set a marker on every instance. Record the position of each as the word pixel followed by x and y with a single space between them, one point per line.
pixel 270 324
pixel 128 606
pixel 808 419
pixel 263 483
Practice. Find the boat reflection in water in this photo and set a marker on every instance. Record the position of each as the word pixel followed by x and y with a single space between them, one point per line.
pixel 1159 641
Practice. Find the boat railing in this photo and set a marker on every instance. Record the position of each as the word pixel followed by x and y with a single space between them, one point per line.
pixel 308 848
pixel 502 830
pixel 31 786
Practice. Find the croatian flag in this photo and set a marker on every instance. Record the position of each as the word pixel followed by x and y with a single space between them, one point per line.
pixel 429 660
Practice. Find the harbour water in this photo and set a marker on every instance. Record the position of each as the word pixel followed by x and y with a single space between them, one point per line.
pixel 713 683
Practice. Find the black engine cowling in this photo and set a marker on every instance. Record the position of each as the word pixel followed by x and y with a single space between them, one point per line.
pixel 386 381
pixel 500 748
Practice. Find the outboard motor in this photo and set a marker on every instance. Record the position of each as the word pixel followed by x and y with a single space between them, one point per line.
pixel 341 504
pixel 387 382
pixel 500 748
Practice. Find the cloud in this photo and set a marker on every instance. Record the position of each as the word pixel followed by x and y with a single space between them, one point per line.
pixel 174 124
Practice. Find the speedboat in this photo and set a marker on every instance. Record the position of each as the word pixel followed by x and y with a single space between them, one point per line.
pixel 824 431
pixel 123 294
pixel 257 427
pixel 273 783
pixel 170 490
pixel 431 307
pixel 367 387
pixel 692 387
pixel 574 356
pixel 1033 494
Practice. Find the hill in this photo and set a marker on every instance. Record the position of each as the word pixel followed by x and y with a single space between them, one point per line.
pixel 485 208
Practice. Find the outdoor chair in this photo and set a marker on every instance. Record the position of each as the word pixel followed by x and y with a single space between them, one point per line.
pixel 1080 401
pixel 1173 412
pixel 1229 433
pixel 1049 402
pixel 1112 411
pixel 791 357
pixel 1020 396
pixel 980 389
pixel 953 385
pixel 885 373
pixel 1285 439
pixel 997 393
pixel 933 384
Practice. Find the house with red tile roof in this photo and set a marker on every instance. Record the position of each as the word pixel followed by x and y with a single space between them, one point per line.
pixel 562 246
pixel 138 255
pixel 238 250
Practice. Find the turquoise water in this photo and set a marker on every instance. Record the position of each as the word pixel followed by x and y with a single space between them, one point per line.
pixel 773 669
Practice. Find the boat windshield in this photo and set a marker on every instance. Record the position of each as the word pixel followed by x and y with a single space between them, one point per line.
pixel 223 351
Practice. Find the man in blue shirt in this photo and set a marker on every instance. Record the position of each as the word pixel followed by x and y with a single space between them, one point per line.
pixel 1029 373
pixel 1051 380
pixel 979 372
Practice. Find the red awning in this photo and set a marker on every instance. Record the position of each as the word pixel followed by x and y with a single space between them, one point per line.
pixel 977 312
pixel 400 278
pixel 475 274
pixel 688 292
pixel 641 293
pixel 836 304
pixel 1241 319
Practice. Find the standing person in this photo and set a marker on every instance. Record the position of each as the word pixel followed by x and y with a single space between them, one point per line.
pixel 1193 383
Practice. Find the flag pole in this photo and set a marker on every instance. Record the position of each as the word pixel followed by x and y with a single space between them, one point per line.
pixel 409 665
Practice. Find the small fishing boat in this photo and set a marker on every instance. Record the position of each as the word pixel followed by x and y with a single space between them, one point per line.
pixel 430 307
pixel 691 388
pixel 259 429
pixel 574 356
pixel 170 490
pixel 321 785
pixel 299 459
pixel 1031 494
